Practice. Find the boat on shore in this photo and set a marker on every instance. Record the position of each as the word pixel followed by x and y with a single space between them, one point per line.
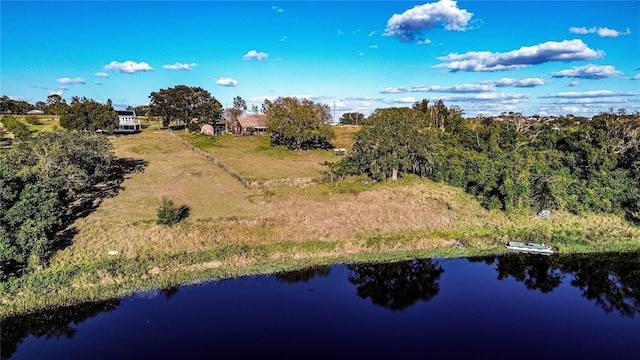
pixel 529 248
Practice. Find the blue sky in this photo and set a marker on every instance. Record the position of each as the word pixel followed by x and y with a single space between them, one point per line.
pixel 544 57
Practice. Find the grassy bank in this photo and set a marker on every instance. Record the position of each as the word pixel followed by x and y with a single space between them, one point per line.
pixel 233 231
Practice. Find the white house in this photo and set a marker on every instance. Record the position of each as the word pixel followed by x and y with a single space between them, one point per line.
pixel 127 121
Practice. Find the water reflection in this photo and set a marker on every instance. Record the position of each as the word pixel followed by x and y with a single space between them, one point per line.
pixel 396 286
pixel 611 280
pixel 53 323
pixel 541 273
pixel 304 275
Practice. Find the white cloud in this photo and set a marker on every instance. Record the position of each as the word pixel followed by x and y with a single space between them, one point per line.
pixel 463 88
pixel 394 90
pixel 128 67
pixel 179 66
pixel 500 97
pixel 373 46
pixel 589 94
pixel 372 33
pixel 262 98
pixel 528 82
pixel 405 100
pixel 602 31
pixel 58 92
pixel 277 9
pixel 567 50
pixel 637 77
pixel 101 74
pixel 67 80
pixel 227 82
pixel 254 55
pixel 588 72
pixel 444 13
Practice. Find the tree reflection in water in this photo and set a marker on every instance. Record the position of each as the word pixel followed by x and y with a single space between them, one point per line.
pixel 303 275
pixel 536 272
pixel 611 280
pixel 48 323
pixel 396 286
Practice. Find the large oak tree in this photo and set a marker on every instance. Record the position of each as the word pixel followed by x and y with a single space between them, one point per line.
pixel 298 124
pixel 183 104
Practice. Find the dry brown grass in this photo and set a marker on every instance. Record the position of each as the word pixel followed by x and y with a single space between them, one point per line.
pixel 418 214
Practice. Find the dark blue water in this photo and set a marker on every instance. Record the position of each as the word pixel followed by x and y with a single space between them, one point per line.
pixel 510 307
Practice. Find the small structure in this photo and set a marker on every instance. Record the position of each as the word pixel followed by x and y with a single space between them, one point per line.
pixel 206 129
pixel 340 151
pixel 128 122
pixel 250 124
pixel 35 112
pixel 216 129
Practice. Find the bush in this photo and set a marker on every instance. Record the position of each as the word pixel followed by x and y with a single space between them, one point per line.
pixel 32 119
pixel 169 213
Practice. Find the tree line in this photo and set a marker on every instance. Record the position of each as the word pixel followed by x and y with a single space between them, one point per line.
pixel 568 164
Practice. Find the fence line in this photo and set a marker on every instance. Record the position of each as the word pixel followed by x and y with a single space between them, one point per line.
pixel 235 174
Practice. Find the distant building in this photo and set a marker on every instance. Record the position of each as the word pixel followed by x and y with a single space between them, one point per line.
pixel 128 121
pixel 35 112
pixel 250 124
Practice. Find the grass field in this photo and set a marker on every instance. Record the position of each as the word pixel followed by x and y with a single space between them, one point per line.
pixel 233 230
pixel 255 159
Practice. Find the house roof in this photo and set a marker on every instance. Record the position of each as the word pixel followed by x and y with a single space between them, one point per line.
pixel 253 120
pixel 126 113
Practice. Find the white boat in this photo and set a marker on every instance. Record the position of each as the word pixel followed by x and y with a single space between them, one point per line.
pixel 529 248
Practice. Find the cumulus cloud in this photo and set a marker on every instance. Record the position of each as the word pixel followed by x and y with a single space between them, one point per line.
pixel 394 90
pixel 567 50
pixel 262 98
pixel 128 67
pixel 67 80
pixel 101 74
pixel 602 31
pixel 463 88
pixel 405 100
pixel 589 72
pixel 254 55
pixel 589 94
pixel 499 97
pixel 227 82
pixel 409 25
pixel 528 82
pixel 179 66
pixel 483 87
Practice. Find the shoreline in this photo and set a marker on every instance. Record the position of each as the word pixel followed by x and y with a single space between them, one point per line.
pixel 119 277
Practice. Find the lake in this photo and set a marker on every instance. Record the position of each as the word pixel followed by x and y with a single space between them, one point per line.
pixel 506 307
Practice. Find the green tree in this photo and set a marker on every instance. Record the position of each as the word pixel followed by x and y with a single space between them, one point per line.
pixel 56 105
pixel 393 141
pixel 87 114
pixel 351 118
pixel 40 178
pixel 298 124
pixel 182 104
